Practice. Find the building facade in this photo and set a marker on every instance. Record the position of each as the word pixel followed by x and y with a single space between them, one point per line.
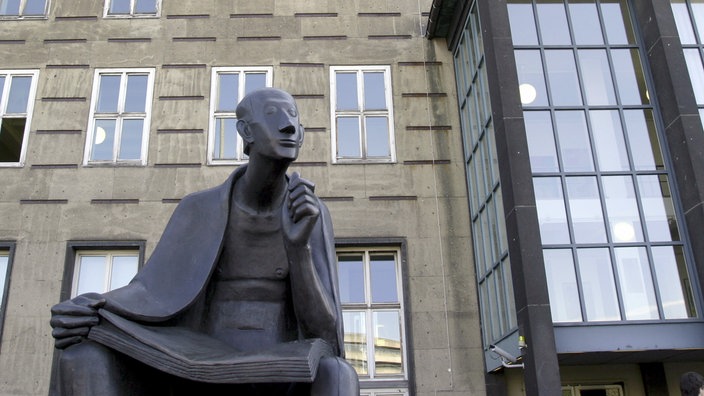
pixel 114 110
pixel 583 148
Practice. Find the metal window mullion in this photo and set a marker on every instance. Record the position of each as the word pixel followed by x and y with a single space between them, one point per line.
pixel 371 367
pixel 133 4
pixel 617 282
pixel 108 272
pixel 362 112
pixel 576 265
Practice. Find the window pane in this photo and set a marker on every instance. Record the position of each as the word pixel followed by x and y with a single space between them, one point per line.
pixel 551 210
pixel 562 285
pixel 585 208
pixel 124 268
pixel 11 138
pixel 608 140
pixel 698 12
pixel 346 87
pixel 131 140
pixel 575 147
pixel 672 276
pixel 530 78
pixel 228 88
pixel 629 77
pixel 636 284
pixel 377 133
pixel 2 83
pixel 136 98
pixel 10 7
pixel 103 140
pixel 374 96
pixel 596 75
pixel 622 209
pixel 356 340
pixel 35 7
pixel 617 22
pixel 522 22
pixel 553 23
pixel 225 139
pixel 388 358
pixel 109 94
pixel 643 140
pixel 351 274
pixel 658 209
pixel 254 81
pixel 696 72
pixel 19 94
pixel 382 270
pixel 585 23
pixel 91 275
pixel 145 6
pixel 541 141
pixel 562 74
pixel 683 22
pixel 348 139
pixel 119 7
pixel 598 287
pixel 3 273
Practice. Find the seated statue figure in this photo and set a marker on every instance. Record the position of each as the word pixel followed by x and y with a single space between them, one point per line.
pixel 249 264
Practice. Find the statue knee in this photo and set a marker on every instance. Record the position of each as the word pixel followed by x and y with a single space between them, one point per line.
pixel 335 377
pixel 84 354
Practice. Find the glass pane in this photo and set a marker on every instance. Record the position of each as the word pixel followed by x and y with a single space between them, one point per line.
pixel 617 22
pixel 672 276
pixel 3 275
pixel 501 312
pixel 351 274
pixel 225 139
pixel 19 94
pixel 493 307
pixel 11 138
pixel 145 6
pixel 382 272
pixel 553 23
pixel 698 12
pixel 530 78
pixel 562 74
pixel 658 209
pixel 597 279
pixel 575 148
pixel 608 140
pixel 511 304
pixel 472 106
pixel 119 7
pixel 388 358
pixel 374 96
pixel 108 94
pixel 696 72
pixel 254 81
pixel 356 340
pixel 124 268
pixel 485 308
pixel 622 209
pixel 585 208
pixel 585 23
pixel 562 285
pixel 522 22
pixel 91 274
pixel 10 7
pixel 683 22
pixel 136 98
pixel 103 140
pixel 131 140
pixel 346 87
pixel 228 91
pixel 551 210
pixel 2 83
pixel 35 7
pixel 643 140
pixel 596 75
pixel 377 134
pixel 348 139
pixel 629 77
pixel 541 141
pixel 636 283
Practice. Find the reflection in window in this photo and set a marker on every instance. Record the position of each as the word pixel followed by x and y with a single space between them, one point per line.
pixel 22 8
pixel 120 114
pixel 132 8
pixel 17 90
pixel 102 271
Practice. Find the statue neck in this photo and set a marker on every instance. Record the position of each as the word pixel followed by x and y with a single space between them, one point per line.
pixel 262 186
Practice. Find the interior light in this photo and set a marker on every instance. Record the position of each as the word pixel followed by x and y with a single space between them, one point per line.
pixel 528 93
pixel 624 232
pixel 100 135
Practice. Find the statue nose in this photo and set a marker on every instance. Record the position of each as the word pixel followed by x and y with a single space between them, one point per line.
pixel 288 129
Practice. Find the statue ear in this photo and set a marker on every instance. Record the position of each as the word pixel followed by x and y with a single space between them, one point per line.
pixel 244 131
pixel 303 134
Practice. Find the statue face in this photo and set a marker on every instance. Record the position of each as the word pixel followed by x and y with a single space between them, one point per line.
pixel 275 127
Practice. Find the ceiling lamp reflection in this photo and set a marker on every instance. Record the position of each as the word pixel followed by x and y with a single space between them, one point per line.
pixel 528 93
pixel 100 135
pixel 624 232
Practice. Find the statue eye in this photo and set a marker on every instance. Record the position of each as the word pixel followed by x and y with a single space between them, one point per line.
pixel 269 110
pixel 292 112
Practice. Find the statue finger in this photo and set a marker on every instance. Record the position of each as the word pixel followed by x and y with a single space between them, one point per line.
pixel 296 180
pixel 71 309
pixel 72 322
pixel 68 333
pixel 64 343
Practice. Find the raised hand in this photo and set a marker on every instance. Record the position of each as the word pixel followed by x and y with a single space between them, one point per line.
pixel 300 211
pixel 72 319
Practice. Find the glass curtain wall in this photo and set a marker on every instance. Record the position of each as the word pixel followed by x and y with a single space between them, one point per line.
pixel 612 243
pixel 486 207
pixel 689 17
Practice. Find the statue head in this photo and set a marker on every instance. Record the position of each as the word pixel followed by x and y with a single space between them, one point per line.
pixel 267 121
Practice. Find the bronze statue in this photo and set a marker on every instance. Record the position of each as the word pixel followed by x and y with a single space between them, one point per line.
pixel 248 266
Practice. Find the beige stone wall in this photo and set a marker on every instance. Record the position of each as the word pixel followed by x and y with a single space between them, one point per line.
pixel 421 197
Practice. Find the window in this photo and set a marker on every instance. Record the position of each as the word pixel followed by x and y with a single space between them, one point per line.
pixel 383 392
pixel 592 390
pixel 17 90
pixel 362 114
pixel 372 310
pixel 103 270
pixel 6 252
pixel 689 18
pixel 22 8
pixel 132 8
pixel 120 114
pixel 228 86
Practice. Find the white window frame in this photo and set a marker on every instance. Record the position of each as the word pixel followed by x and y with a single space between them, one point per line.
pixel 214 95
pixel 109 257
pixel 120 116
pixel 389 112
pixel 368 307
pixel 27 115
pixel 21 15
pixel 132 14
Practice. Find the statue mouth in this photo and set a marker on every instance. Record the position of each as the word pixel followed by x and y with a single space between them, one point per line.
pixel 288 142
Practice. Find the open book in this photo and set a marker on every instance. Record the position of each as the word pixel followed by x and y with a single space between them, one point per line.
pixel 185 353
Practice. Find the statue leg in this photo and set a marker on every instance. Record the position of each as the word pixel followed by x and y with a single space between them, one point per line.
pixel 335 377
